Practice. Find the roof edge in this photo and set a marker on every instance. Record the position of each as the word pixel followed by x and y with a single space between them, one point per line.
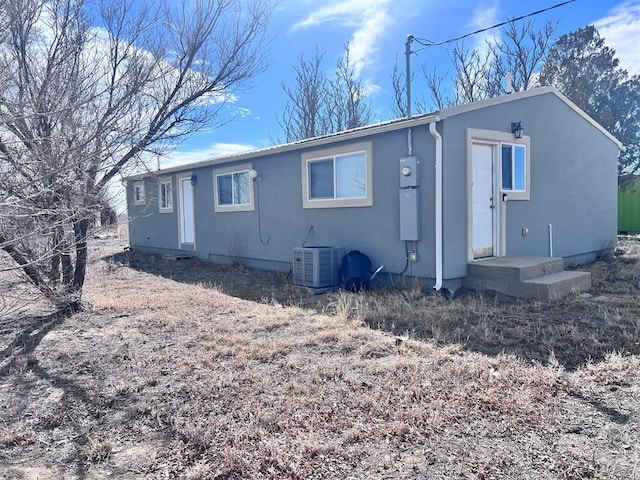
pixel 344 135
pixel 534 92
pixel 383 127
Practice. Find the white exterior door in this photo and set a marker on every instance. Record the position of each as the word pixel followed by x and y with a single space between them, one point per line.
pixel 483 200
pixel 187 219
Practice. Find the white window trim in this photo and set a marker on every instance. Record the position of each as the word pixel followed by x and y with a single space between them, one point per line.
pixel 142 200
pixel 328 153
pixel 247 167
pixel 498 139
pixel 163 181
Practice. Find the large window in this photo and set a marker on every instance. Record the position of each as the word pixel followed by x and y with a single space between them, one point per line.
pixel 338 177
pixel 514 171
pixel 165 196
pixel 233 189
pixel 138 193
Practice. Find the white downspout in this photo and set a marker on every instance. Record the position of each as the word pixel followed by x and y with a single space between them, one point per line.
pixel 438 201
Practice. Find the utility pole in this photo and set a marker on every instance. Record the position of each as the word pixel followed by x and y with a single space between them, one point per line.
pixel 408 59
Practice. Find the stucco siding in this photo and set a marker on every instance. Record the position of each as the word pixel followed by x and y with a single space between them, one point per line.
pixel 573 182
pixel 278 223
pixel 573 187
pixel 147 227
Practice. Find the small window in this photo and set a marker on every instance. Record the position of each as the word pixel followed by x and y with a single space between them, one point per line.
pixel 138 193
pixel 233 189
pixel 165 196
pixel 339 177
pixel 514 169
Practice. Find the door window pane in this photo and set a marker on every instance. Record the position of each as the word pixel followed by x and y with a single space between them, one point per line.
pixel 507 173
pixel 514 168
pixel 519 167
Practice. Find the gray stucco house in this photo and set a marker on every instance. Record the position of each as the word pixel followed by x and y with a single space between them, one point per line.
pixel 515 177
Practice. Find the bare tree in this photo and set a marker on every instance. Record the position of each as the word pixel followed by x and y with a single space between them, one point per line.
pixel 348 105
pixel 317 105
pixel 435 85
pixel 88 91
pixel 399 86
pixel 480 73
pixel 305 114
pixel 520 55
pixel 473 79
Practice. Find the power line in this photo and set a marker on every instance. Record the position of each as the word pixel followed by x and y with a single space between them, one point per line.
pixel 428 43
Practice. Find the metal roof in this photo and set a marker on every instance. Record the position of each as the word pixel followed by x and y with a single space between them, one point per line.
pixel 387 126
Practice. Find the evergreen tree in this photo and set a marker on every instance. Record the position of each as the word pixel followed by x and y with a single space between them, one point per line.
pixel 587 71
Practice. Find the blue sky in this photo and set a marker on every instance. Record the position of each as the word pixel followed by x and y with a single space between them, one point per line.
pixel 376 31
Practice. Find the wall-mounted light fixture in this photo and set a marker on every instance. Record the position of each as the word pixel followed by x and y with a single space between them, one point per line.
pixel 253 174
pixel 194 179
pixel 516 129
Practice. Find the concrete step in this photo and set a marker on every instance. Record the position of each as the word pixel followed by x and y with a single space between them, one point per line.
pixel 555 286
pixel 526 277
pixel 515 268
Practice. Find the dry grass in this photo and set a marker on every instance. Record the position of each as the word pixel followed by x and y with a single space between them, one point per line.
pixel 168 379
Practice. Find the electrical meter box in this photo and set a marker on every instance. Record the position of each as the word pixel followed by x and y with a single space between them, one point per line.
pixel 409 172
pixel 410 214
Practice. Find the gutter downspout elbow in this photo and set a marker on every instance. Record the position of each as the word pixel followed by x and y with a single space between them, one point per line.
pixel 438 201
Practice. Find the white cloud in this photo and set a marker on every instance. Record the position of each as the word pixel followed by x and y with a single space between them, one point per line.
pixel 244 112
pixel 621 31
pixel 484 16
pixel 368 18
pixel 215 150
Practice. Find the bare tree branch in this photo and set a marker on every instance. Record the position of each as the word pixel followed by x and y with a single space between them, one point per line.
pixel 317 105
pixel 85 91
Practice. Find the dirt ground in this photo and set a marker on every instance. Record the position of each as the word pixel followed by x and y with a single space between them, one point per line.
pixel 186 370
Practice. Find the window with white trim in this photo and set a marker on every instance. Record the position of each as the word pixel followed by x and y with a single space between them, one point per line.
pixel 138 193
pixel 233 189
pixel 338 177
pixel 514 168
pixel 165 196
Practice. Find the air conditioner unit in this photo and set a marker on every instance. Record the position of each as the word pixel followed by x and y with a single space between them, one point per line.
pixel 317 267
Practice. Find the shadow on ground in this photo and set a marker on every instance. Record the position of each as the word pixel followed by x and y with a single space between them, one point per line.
pixel 234 280
pixel 572 331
